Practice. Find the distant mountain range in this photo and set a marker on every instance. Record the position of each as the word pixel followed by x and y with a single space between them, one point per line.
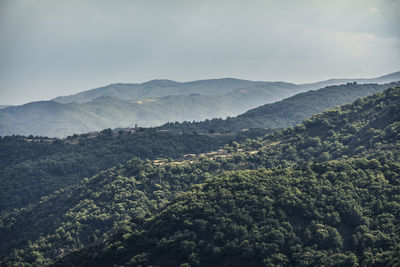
pixel 151 104
pixel 161 88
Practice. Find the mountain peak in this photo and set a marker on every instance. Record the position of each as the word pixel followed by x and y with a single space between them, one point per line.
pixel 161 82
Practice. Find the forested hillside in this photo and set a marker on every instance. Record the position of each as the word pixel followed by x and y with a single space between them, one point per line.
pixel 284 113
pixel 33 167
pixel 343 210
pixel 339 213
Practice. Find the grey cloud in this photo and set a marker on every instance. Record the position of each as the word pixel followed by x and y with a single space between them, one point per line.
pixel 51 48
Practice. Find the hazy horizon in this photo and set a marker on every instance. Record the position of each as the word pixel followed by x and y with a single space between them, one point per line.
pixel 54 48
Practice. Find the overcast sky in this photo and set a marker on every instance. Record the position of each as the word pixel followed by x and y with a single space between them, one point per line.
pixel 50 48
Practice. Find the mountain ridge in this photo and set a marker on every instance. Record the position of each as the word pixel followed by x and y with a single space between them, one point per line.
pixel 208 86
pixel 242 83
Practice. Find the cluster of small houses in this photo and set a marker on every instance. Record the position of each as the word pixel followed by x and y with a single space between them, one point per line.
pixel 47 140
pixel 221 153
pixel 213 154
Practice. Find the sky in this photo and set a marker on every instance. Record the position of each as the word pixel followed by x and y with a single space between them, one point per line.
pixel 50 48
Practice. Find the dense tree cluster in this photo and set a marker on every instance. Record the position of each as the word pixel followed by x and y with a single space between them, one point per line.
pixel 76 216
pixel 339 213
